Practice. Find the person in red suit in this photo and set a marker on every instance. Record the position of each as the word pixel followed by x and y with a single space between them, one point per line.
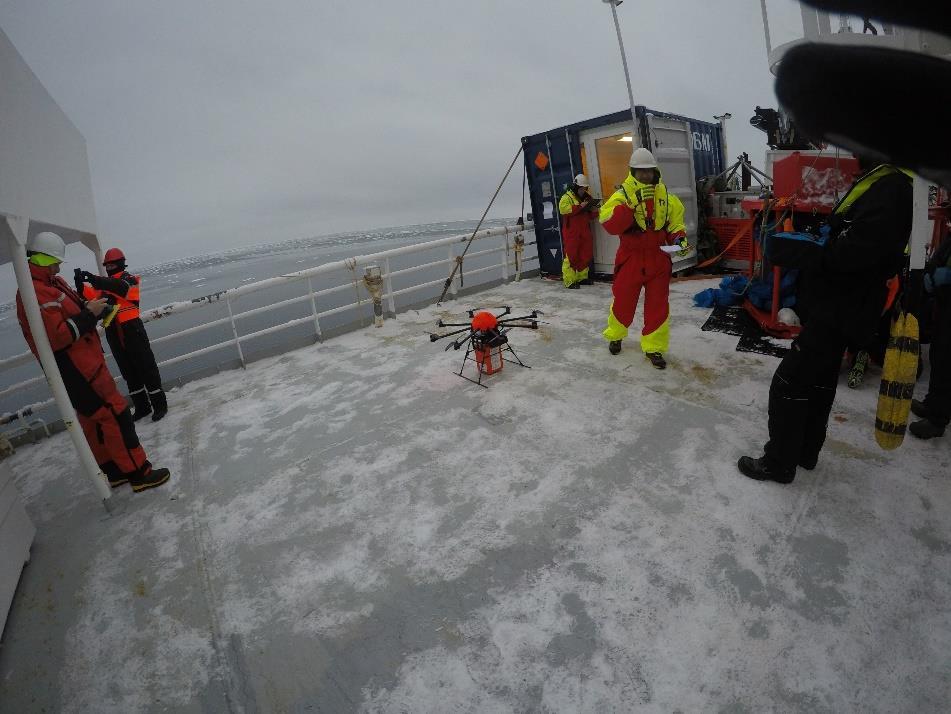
pixel 577 208
pixel 70 323
pixel 645 216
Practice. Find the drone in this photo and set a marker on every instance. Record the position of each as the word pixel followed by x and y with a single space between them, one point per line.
pixel 485 338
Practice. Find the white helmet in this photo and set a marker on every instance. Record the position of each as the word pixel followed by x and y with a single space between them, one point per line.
pixel 49 244
pixel 643 159
pixel 788 317
pixel 581 180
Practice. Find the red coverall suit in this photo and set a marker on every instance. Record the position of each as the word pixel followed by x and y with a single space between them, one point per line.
pixel 576 234
pixel 645 216
pixel 103 414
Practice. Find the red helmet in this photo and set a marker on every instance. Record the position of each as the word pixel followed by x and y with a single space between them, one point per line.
pixel 113 255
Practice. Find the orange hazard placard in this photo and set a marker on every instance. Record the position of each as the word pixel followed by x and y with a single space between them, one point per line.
pixel 541 161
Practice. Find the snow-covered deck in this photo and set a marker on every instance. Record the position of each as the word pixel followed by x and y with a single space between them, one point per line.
pixel 353 527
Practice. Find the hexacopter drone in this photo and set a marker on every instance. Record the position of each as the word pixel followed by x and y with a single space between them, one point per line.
pixel 485 338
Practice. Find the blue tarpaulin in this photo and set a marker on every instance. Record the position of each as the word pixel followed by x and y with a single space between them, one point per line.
pixel 759 292
pixel 730 292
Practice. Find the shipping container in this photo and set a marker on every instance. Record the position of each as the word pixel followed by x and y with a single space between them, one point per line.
pixel 686 150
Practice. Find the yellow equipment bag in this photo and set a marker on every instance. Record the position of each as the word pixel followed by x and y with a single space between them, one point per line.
pixel 898 382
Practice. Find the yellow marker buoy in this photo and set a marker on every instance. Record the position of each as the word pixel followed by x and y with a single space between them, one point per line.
pixel 898 382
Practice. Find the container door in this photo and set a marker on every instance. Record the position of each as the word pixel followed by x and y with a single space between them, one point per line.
pixel 605 155
pixel 672 142
pixel 549 166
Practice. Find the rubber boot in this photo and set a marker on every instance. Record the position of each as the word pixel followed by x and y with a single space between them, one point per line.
pixel 808 464
pixel 614 347
pixel 920 410
pixel 656 359
pixel 925 429
pixel 159 403
pixel 141 404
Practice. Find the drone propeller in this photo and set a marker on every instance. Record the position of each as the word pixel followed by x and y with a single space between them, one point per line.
pixel 457 344
pixel 506 310
pixel 433 337
pixel 532 316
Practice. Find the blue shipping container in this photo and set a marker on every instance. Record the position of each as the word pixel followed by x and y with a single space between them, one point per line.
pixel 686 149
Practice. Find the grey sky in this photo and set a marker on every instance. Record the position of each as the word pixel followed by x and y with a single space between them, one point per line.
pixel 216 124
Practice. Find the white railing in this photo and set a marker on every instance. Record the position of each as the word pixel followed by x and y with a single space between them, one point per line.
pixel 505 267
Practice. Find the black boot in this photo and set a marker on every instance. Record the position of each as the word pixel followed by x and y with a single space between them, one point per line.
pixel 656 359
pixel 614 346
pixel 115 476
pixel 925 429
pixel 762 469
pixel 921 411
pixel 141 404
pixel 159 403
pixel 587 281
pixel 575 286
pixel 155 477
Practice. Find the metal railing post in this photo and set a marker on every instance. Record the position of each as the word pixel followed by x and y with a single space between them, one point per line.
pixel 234 330
pixel 505 258
pixel 391 301
pixel 454 286
pixel 313 308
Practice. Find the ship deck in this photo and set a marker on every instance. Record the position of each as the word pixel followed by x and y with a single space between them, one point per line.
pixel 353 527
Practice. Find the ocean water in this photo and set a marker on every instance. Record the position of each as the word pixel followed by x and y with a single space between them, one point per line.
pixel 195 277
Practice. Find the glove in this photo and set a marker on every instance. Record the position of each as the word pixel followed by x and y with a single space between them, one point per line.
pixel 684 246
pixel 108 314
pixel 91 278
